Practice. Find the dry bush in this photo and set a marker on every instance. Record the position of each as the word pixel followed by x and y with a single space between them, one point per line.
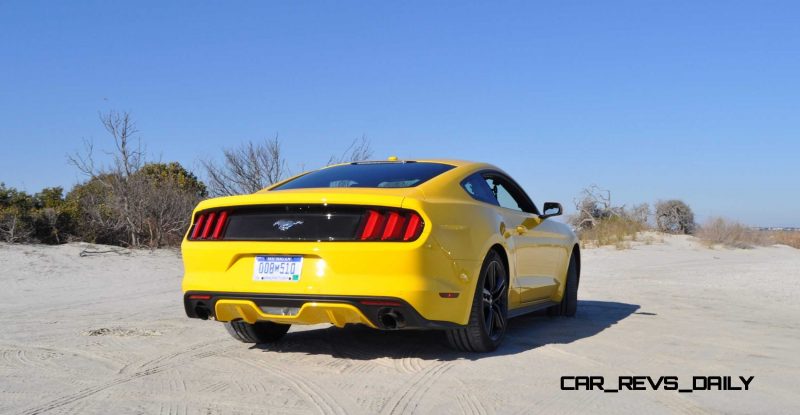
pixel 639 213
pixel 674 216
pixel 132 202
pixel 13 228
pixel 598 222
pixel 155 212
pixel 790 238
pixel 128 157
pixel 592 205
pixel 246 169
pixel 15 207
pixel 719 231
pixel 165 195
pixel 614 230
pixel 256 165
pixel 359 150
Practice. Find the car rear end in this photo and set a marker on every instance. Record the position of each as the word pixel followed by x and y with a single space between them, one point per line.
pixel 336 255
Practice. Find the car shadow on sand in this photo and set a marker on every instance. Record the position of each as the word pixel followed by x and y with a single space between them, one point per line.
pixel 524 333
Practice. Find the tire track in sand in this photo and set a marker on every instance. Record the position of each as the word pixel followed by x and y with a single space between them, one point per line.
pixel 169 356
pixel 322 401
pixel 409 398
pixel 173 360
pixel 471 405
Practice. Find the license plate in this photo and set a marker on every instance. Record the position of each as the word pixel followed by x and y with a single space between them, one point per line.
pixel 277 268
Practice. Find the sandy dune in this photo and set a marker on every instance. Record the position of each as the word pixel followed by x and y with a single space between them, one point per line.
pixel 107 334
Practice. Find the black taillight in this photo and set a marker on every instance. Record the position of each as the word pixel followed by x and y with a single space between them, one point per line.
pixel 209 226
pixel 390 225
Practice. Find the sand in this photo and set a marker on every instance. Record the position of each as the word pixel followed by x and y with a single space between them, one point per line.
pixel 106 333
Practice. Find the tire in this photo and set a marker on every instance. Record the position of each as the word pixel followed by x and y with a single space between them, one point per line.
pixel 488 316
pixel 261 332
pixel 569 302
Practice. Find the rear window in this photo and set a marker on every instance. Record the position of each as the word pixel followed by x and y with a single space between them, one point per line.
pixel 386 175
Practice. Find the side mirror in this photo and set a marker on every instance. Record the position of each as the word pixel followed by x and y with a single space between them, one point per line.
pixel 551 209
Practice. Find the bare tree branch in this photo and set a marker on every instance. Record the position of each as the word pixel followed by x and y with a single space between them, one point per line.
pixel 246 169
pixel 84 162
pixel 133 202
pixel 127 158
pixel 359 150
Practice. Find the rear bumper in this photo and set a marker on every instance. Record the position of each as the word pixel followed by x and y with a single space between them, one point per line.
pixel 417 273
pixel 386 313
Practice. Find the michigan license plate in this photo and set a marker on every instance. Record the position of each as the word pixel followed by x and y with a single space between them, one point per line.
pixel 277 268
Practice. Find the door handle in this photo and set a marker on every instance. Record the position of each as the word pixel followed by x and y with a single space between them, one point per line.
pixel 521 229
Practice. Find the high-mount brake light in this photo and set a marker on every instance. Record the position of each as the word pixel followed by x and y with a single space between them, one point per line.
pixel 391 225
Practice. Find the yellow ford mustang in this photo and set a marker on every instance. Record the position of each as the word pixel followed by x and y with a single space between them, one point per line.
pixel 434 244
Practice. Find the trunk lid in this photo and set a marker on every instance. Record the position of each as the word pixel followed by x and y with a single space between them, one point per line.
pixel 335 196
pixel 330 214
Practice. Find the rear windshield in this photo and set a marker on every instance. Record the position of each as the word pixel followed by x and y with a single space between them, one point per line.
pixel 389 175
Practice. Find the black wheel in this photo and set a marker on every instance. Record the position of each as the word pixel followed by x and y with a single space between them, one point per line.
pixel 261 332
pixel 569 302
pixel 489 314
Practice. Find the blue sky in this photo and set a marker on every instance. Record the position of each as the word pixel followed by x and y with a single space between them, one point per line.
pixel 651 99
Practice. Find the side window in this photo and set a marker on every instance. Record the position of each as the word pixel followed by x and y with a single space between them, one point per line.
pixel 508 194
pixel 504 196
pixel 477 187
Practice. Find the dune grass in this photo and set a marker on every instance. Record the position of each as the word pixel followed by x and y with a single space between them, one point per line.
pixel 719 231
pixel 790 238
pixel 618 231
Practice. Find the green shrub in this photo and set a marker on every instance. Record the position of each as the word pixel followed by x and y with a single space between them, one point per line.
pixel 44 217
pixel 92 204
pixel 173 173
pixel 53 219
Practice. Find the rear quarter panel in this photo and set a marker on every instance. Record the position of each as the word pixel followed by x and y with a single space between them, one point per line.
pixel 466 229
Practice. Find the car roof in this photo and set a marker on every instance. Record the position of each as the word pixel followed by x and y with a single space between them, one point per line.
pixel 452 162
pixel 461 166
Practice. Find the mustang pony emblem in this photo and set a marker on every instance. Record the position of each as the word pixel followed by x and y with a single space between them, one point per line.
pixel 285 224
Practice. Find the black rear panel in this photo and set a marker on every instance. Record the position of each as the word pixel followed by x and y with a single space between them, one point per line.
pixel 294 223
pixel 306 223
